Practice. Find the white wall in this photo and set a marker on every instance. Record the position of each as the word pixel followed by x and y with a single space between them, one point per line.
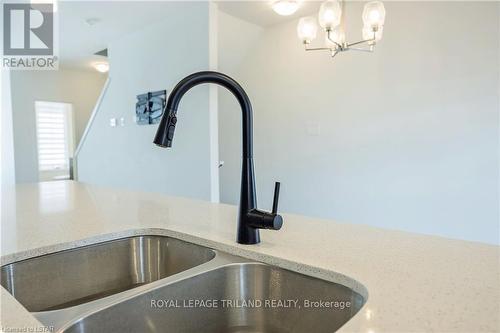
pixel 408 135
pixel 76 87
pixel 7 171
pixel 213 102
pixel 154 58
pixel 234 49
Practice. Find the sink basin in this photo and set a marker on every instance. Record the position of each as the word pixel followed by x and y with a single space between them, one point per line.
pixel 77 276
pixel 161 284
pixel 172 307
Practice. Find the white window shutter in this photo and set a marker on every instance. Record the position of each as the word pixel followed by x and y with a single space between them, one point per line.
pixel 54 137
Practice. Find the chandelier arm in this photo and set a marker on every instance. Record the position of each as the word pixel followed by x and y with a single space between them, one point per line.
pixel 331 40
pixel 372 40
pixel 362 50
pixel 316 48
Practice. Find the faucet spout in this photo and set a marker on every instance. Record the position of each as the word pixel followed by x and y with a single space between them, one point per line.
pixel 250 219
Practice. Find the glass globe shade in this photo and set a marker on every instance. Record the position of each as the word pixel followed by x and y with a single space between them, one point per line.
pixel 330 14
pixel 307 29
pixel 374 14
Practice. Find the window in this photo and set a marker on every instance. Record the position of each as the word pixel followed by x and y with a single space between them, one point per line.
pixel 54 127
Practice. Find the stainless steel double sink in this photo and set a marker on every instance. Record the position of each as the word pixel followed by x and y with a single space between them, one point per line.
pixel 161 284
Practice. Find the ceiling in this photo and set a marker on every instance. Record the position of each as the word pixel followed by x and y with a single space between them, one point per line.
pixel 109 20
pixel 79 40
pixel 261 12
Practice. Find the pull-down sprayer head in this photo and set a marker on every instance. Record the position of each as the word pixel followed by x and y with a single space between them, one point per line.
pixel 166 129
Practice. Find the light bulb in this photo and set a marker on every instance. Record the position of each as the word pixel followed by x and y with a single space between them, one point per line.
pixel 307 29
pixel 369 33
pixel 337 36
pixel 285 7
pixel 330 14
pixel 101 67
pixel 374 14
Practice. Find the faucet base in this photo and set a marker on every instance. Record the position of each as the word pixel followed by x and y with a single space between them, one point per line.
pixel 247 235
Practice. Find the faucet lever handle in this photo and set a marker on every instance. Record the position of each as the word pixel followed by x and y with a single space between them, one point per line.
pixel 276 197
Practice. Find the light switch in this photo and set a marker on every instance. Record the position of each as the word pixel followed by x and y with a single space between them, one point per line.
pixel 313 128
pixel 112 122
pixel 122 121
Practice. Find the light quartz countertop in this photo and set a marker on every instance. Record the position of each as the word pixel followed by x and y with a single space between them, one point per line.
pixel 413 282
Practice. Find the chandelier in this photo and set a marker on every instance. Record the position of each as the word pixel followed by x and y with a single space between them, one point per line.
pixel 330 19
